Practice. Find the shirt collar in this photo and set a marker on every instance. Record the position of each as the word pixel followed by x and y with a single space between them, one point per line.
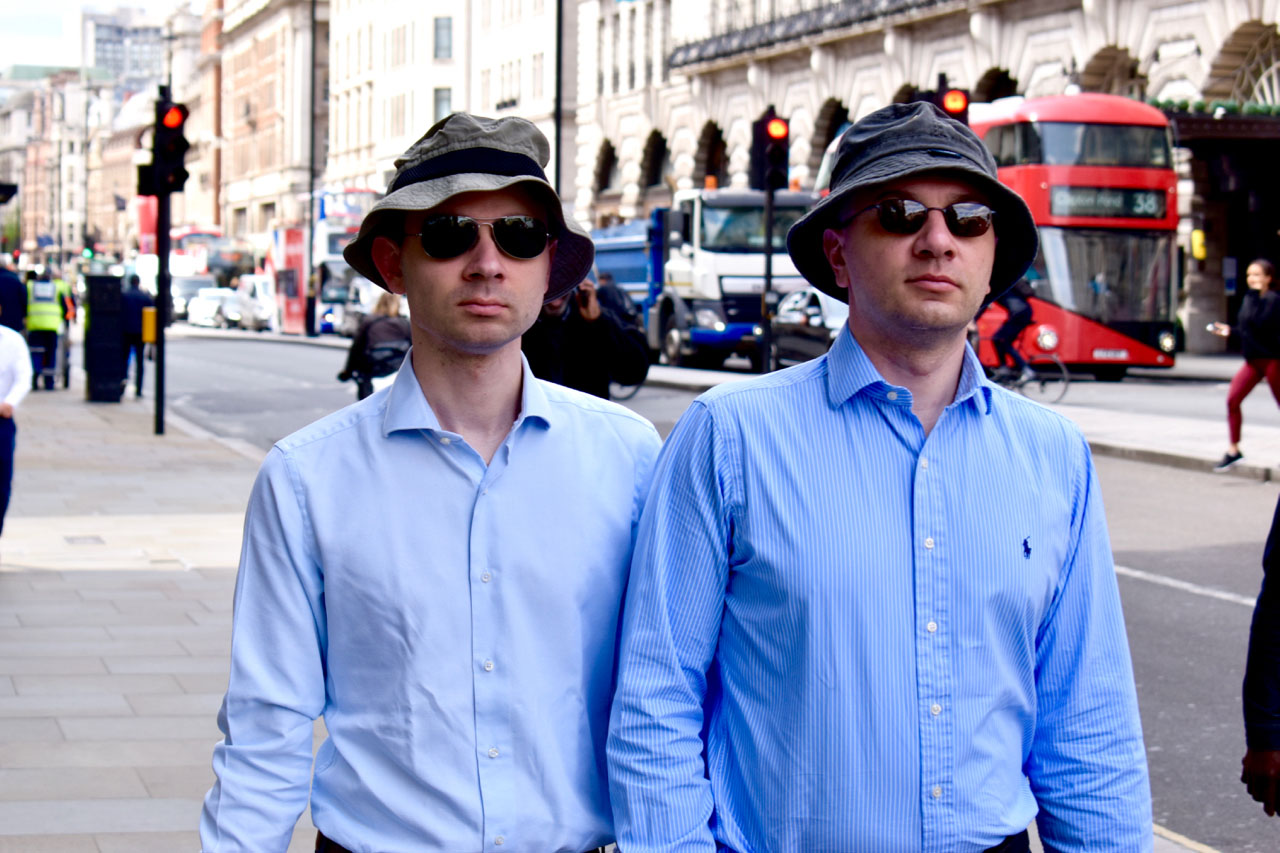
pixel 850 371
pixel 408 409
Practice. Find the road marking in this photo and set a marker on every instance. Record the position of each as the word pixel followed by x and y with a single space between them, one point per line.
pixel 1185 586
pixel 1170 835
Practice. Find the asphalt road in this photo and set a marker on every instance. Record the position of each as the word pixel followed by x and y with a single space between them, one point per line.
pixel 1188 546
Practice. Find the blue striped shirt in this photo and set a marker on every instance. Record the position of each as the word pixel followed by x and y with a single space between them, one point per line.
pixel 454 622
pixel 841 634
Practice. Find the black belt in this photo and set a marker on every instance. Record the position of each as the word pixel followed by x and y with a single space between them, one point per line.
pixel 324 845
pixel 1020 843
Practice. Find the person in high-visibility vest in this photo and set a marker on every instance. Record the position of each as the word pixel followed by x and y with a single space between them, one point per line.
pixel 46 310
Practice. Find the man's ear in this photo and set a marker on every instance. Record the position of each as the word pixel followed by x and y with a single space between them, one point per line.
pixel 833 249
pixel 385 254
pixel 551 263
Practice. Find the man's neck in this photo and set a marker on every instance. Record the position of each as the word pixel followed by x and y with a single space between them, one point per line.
pixel 929 370
pixel 476 396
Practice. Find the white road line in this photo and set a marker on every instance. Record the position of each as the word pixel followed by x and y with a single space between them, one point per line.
pixel 1181 840
pixel 1185 586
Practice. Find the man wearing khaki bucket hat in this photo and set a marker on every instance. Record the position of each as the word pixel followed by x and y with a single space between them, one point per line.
pixel 872 605
pixel 437 570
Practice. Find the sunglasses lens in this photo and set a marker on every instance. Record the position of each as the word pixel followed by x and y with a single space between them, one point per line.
pixel 520 236
pixel 968 218
pixel 445 237
pixel 902 216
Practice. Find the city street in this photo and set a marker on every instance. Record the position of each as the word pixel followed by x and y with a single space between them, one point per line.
pixel 1188 545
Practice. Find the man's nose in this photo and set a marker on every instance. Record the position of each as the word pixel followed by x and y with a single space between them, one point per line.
pixel 935 238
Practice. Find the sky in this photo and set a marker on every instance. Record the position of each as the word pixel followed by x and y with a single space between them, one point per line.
pixel 46 32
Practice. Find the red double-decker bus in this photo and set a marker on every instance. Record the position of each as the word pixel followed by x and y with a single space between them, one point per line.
pixel 1097 172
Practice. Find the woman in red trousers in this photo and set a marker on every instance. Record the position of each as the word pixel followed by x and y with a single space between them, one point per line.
pixel 1258 325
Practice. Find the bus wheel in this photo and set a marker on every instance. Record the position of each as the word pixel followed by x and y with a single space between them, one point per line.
pixel 1110 373
pixel 671 343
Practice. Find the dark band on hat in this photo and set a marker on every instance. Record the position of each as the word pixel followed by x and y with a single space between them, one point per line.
pixel 490 161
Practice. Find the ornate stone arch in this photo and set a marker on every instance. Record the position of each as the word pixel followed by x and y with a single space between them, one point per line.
pixel 1247 68
pixel 831 117
pixel 606 171
pixel 996 83
pixel 712 158
pixel 1113 71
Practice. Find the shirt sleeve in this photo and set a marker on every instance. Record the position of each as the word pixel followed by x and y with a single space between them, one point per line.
pixel 276 688
pixel 21 372
pixel 661 797
pixel 1262 669
pixel 1088 766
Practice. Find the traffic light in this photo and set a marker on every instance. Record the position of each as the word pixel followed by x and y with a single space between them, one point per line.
pixel 955 103
pixel 770 141
pixel 87 253
pixel 169 148
pixel 777 153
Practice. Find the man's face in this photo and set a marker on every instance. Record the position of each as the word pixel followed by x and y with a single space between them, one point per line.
pixel 479 302
pixel 910 289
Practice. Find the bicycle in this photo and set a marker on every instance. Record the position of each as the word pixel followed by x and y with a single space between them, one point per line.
pixel 623 392
pixel 1046 382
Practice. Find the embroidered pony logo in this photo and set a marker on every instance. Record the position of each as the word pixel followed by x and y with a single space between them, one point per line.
pixel 1026 548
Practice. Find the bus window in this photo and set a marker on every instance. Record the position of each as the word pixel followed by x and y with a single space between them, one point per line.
pixel 1080 144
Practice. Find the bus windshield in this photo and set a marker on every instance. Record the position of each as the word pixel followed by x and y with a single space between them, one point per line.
pixel 1054 143
pixel 741 229
pixel 1110 276
pixel 336 279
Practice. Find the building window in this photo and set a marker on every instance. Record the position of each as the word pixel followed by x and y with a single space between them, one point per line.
pixel 444 38
pixel 267 215
pixel 485 100
pixel 536 88
pixel 397 115
pixel 399 50
pixel 444 103
pixel 240 221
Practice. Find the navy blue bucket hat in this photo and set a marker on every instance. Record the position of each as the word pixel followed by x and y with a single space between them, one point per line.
pixel 906 140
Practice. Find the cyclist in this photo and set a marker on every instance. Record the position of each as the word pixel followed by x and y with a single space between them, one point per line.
pixel 1016 302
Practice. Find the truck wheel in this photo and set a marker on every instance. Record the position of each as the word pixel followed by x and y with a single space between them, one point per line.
pixel 671 344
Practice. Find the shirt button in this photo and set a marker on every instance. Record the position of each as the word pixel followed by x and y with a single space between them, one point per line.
pixel 935 709
pixel 493 753
pixel 499 840
pixel 444 439
pixel 928 542
pixel 931 627
pixel 937 792
pixel 485 577
pixel 924 463
pixel 488 666
pixel 892 395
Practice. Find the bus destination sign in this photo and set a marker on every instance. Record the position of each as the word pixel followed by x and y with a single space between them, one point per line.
pixel 1106 201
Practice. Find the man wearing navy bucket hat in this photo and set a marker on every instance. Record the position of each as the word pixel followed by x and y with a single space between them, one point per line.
pixel 438 569
pixel 872 605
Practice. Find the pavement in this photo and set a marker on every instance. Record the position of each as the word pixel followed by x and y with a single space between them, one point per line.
pixel 117 566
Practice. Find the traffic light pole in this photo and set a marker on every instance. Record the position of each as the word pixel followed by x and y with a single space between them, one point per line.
pixel 162 301
pixel 766 309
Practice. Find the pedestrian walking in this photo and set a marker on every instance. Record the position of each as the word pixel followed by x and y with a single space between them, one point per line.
pixel 1258 325
pixel 15 380
pixel 586 339
pixel 13 300
pixel 437 570
pixel 133 303
pixel 873 605
pixel 46 312
pixel 1260 767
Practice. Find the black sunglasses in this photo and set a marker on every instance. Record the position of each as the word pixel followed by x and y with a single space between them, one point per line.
pixel 448 235
pixel 905 216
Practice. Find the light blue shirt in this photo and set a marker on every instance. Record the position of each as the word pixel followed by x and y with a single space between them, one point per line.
pixel 454 622
pixel 885 641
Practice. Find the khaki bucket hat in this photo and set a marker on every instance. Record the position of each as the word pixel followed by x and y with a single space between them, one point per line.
pixel 465 153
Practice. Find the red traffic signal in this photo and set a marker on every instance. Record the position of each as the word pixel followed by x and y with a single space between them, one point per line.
pixel 955 101
pixel 175 116
pixel 777 128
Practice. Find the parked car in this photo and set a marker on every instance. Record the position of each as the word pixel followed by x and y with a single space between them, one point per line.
pixel 806 324
pixel 218 307
pixel 182 288
pixel 257 302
